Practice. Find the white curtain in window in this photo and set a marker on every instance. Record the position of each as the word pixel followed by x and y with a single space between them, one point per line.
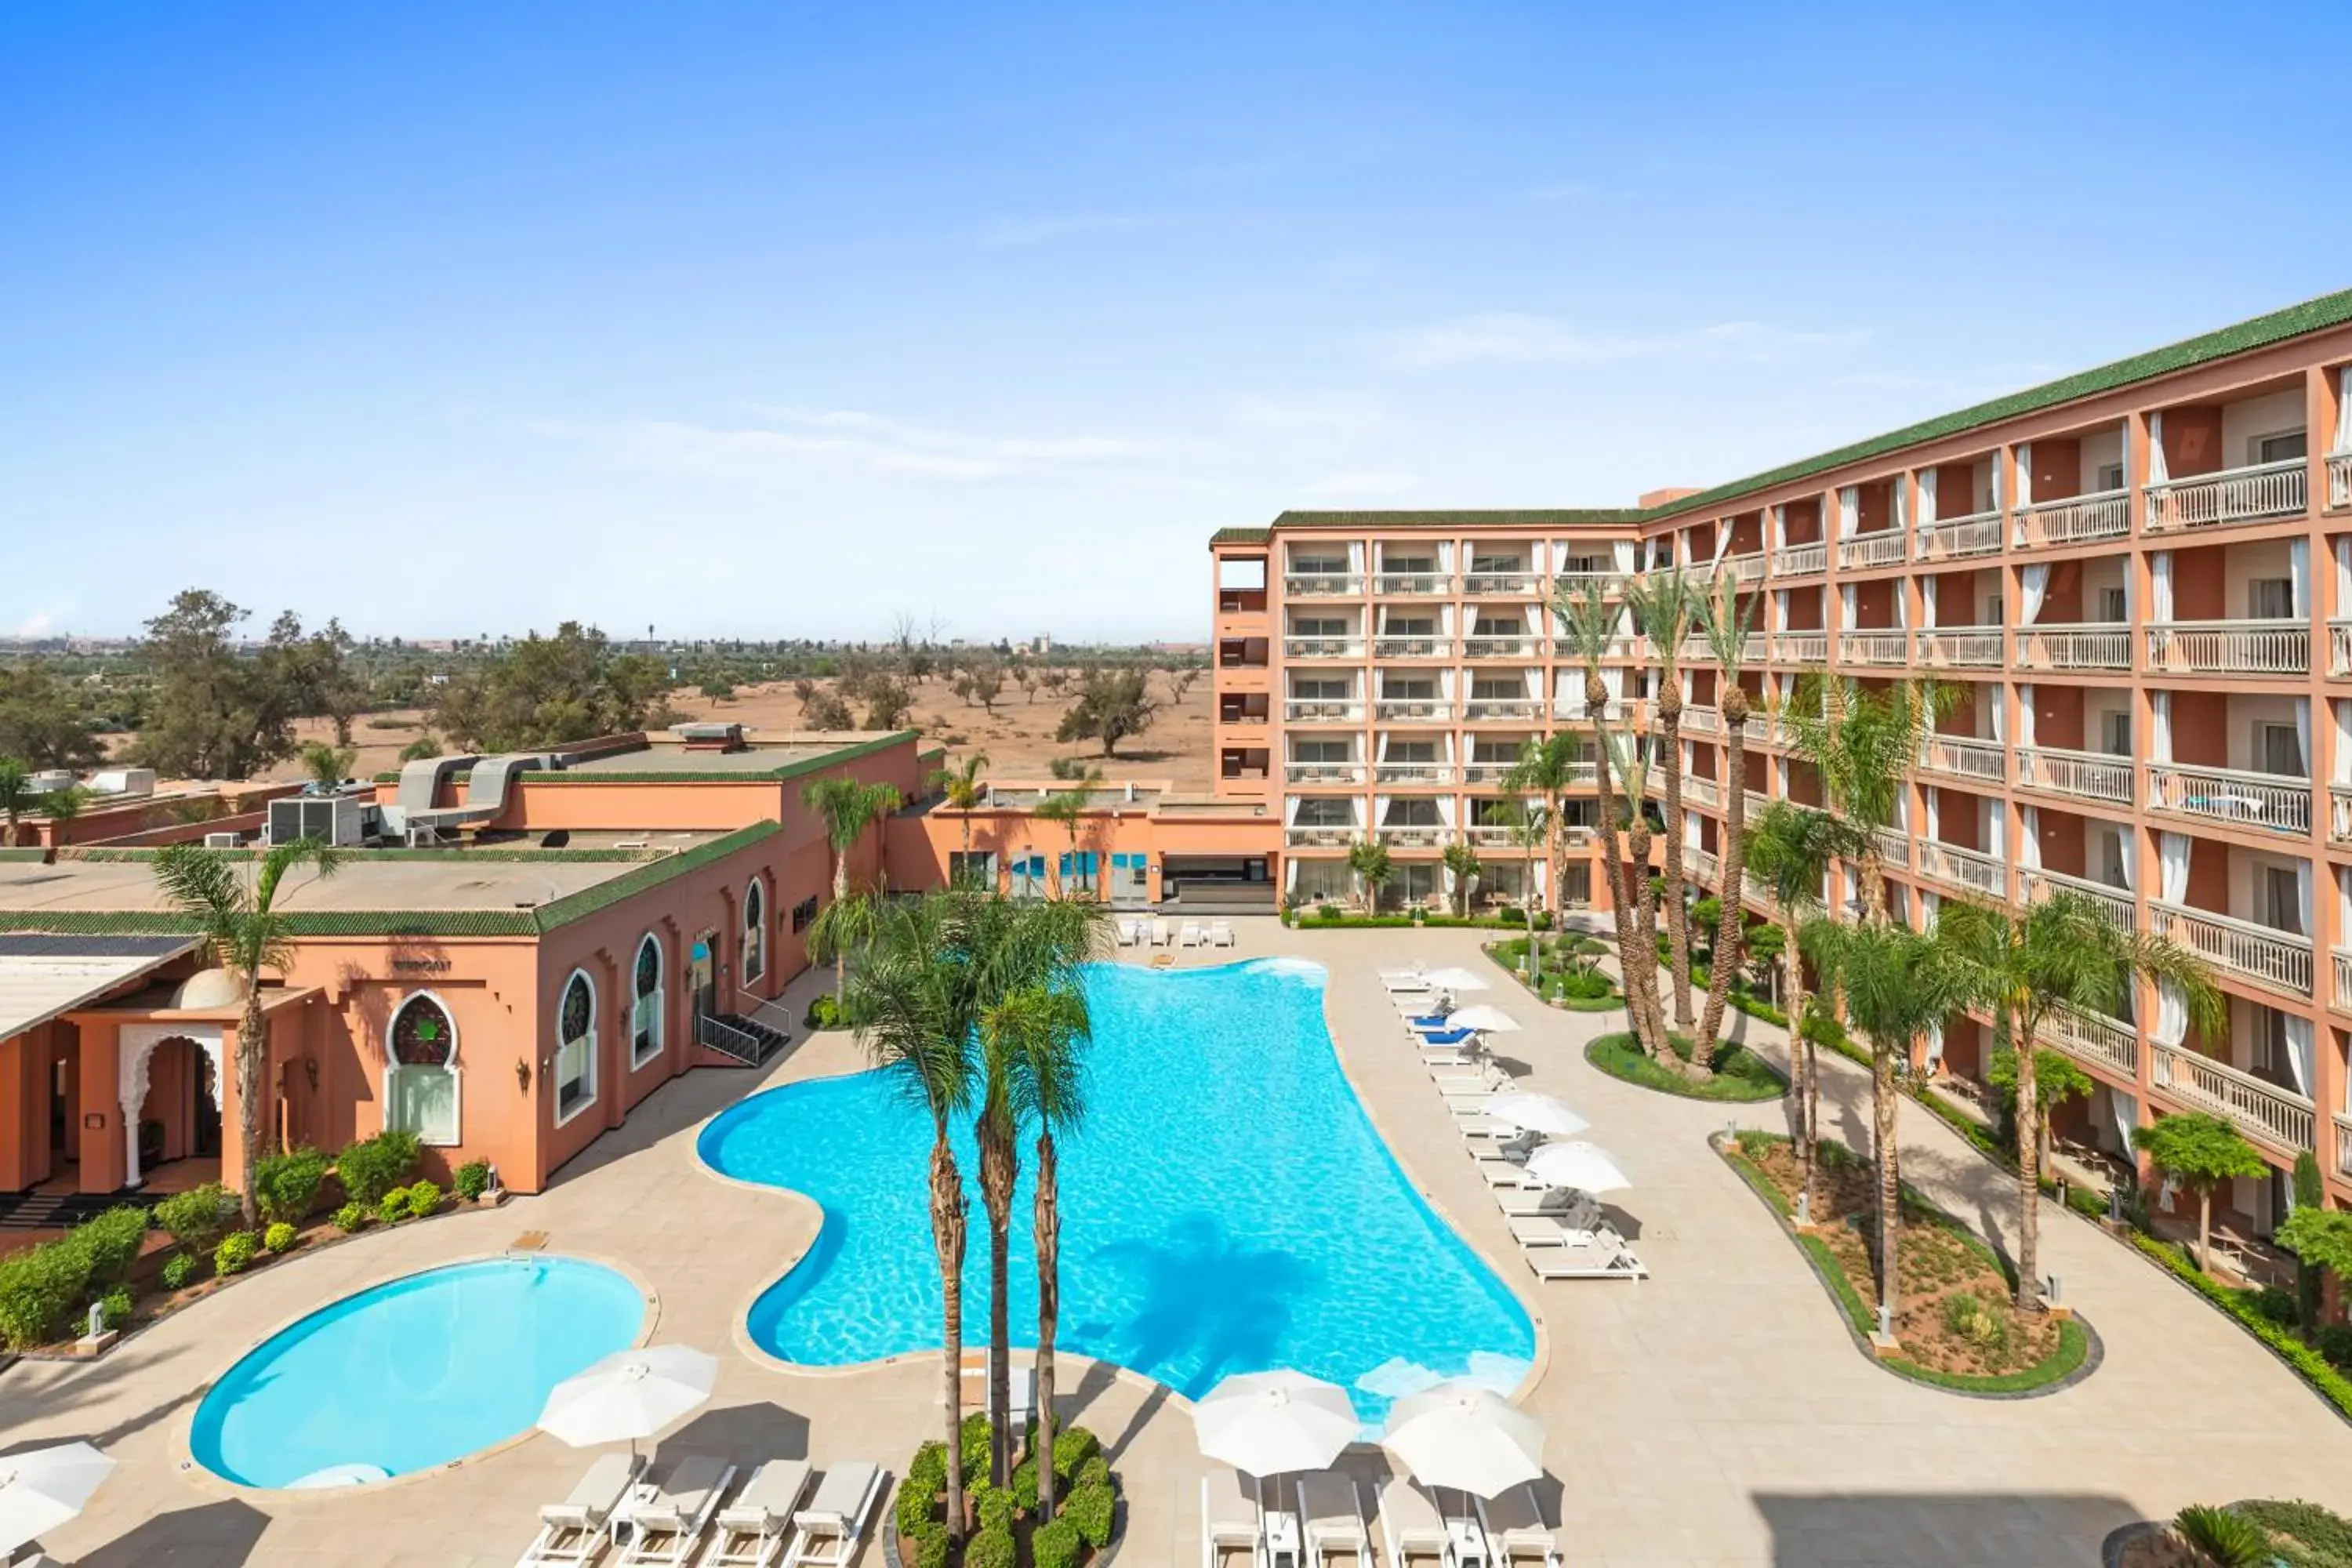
pixel 2156 472
pixel 1928 498
pixel 1780 528
pixel 2298 1052
pixel 1690 829
pixel 1290 809
pixel 425 1101
pixel 1780 609
pixel 1612 680
pixel 2343 415
pixel 1780 776
pixel 2000 714
pixel 2171 1014
pixel 2125 1108
pixel 1723 539
pixel 2029 838
pixel 1996 830
pixel 2303 893
pixel 1934 812
pixel 1289 874
pixel 2172 867
pixel 1381 804
pixel 1994 475
pixel 2298 571
pixel 2339 765
pixel 2302 730
pixel 2343 605
pixel 1902 604
pixel 2033 586
pixel 2128 856
pixel 2159 726
pixel 1931 904
pixel 1846 592
pixel 1934 1046
pixel 2024 474
pixel 1927 601
pixel 2122 448
pixel 1849 511
pixel 2159 585
pixel 1621 554
pixel 1902 492
pixel 2343 912
pixel 2025 715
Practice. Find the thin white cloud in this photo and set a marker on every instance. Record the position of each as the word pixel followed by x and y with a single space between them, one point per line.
pixel 1512 338
pixel 872 442
pixel 39 623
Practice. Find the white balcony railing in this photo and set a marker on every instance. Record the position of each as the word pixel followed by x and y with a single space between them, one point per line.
pixel 1519 584
pixel 1322 773
pixel 2114 905
pixel 1488 709
pixel 1884 547
pixel 2263 1110
pixel 2339 478
pixel 2340 814
pixel 2343 1143
pixel 2341 961
pixel 1490 773
pixel 1322 647
pixel 2092 1038
pixel 1517 646
pixel 2230 647
pixel 1699 721
pixel 1413 646
pixel 2339 647
pixel 1418 837
pixel 1967 757
pixel 1318 837
pixel 1323 584
pixel 1801 648
pixel 2086 775
pixel 1322 710
pixel 1893 846
pixel 2281 803
pixel 1413 773
pixel 1705 866
pixel 1875 648
pixel 1958 647
pixel 1752 646
pixel 1575 585
pixel 1979 873
pixel 2232 496
pixel 1410 584
pixel 1800 560
pixel 2073 520
pixel 1978 533
pixel 1748 568
pixel 1490 835
pixel 2278 959
pixel 2091 646
pixel 1706 791
pixel 1417 710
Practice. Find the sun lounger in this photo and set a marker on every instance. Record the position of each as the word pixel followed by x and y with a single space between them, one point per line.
pixel 753 1528
pixel 666 1528
pixel 1129 933
pixel 1332 1510
pixel 1159 934
pixel 1578 1210
pixel 1475 1084
pixel 1605 1258
pixel 1191 935
pixel 829 1532
pixel 1229 1518
pixel 573 1530
pixel 1023 1381
pixel 1221 935
pixel 1411 1526
pixel 1562 1230
pixel 1436 1037
pixel 1515 1532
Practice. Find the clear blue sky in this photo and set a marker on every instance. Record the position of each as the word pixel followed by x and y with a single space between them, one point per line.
pixel 769 320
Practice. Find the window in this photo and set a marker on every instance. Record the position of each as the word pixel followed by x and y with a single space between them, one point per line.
pixel 421 1079
pixel 1496 563
pixel 1992 617
pixel 2267 1045
pixel 1411 811
pixel 2271 599
pixel 2111 861
pixel 2286 446
pixel 2282 900
pixel 1304 690
pixel 645 1009
pixel 1304 751
pixel 1412 751
pixel 1325 811
pixel 2111 477
pixel 805 912
pixel 2115 731
pixel 575 1047
pixel 755 933
pixel 2278 749
pixel 2114 605
pixel 1317 565
pixel 1319 626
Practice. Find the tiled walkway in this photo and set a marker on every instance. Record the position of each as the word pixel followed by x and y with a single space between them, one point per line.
pixel 1714 1413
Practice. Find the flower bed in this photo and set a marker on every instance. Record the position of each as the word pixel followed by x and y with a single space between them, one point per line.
pixel 1560 980
pixel 1002 1527
pixel 2299 1534
pixel 1956 1323
pixel 1740 1075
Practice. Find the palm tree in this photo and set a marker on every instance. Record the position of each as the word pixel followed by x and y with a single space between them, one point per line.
pixel 2063 952
pixel 327 765
pixel 1367 861
pixel 1789 850
pixel 1461 859
pixel 1637 939
pixel 1588 623
pixel 1666 605
pixel 249 935
pixel 965 793
pixel 1546 767
pixel 1864 745
pixel 841 931
pixel 849 808
pixel 1725 626
pixel 1898 983
pixel 1528 822
pixel 1068 807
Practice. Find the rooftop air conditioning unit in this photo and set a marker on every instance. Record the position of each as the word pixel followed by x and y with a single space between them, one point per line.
pixel 337 821
pixel 49 779
pixel 136 781
pixel 223 840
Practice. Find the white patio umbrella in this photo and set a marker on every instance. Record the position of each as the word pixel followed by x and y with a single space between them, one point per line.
pixel 42 1488
pixel 1494 1020
pixel 632 1394
pixel 1465 1435
pixel 1585 1166
pixel 1455 980
pixel 1265 1423
pixel 1536 1113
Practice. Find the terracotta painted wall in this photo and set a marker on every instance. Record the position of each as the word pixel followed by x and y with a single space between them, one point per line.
pixel 2192 440
pixel 2058 716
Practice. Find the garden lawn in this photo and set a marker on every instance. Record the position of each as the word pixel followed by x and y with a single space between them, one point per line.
pixel 1739 1073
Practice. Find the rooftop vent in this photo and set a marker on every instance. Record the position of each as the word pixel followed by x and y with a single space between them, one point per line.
pixel 711 737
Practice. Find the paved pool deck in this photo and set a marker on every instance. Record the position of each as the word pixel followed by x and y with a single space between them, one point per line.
pixel 1718 1412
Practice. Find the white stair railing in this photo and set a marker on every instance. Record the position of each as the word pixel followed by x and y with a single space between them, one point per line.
pixel 2089 645
pixel 2230 647
pixel 2278 959
pixel 2282 805
pixel 2071 519
pixel 2263 1112
pixel 2232 496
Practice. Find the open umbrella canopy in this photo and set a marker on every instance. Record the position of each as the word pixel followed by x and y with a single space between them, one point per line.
pixel 1455 980
pixel 1585 1166
pixel 1536 1113
pixel 629 1394
pixel 42 1488
pixel 1465 1435
pixel 1268 1423
pixel 1492 1019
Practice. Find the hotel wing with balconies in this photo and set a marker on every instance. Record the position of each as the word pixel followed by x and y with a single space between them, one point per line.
pixel 2138 580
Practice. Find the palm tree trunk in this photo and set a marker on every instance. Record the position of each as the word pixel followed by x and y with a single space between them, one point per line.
pixel 1535 970
pixel 1727 924
pixel 2204 1228
pixel 1808 1069
pixel 252 1068
pixel 948 1236
pixel 1670 720
pixel 1644 964
pixel 1887 1158
pixel 840 954
pixel 1047 1227
pixel 1621 907
pixel 1874 884
pixel 2028 1168
pixel 999 1170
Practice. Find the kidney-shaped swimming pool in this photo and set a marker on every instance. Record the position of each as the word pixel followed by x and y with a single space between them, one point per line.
pixel 1226 1207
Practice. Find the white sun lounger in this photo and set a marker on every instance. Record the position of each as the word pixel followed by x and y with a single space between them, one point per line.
pixel 1515 1532
pixel 829 1532
pixel 753 1528
pixel 666 1528
pixel 1221 933
pixel 1411 1526
pixel 1529 1202
pixel 1191 935
pixel 1604 1258
pixel 1229 1518
pixel 1129 933
pixel 573 1530
pixel 1333 1515
pixel 1562 1230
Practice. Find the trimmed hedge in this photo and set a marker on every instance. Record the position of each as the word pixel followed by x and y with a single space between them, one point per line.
pixel 1740 1075
pixel 1319 921
pixel 2308 1363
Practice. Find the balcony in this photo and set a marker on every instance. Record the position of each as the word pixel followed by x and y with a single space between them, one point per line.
pixel 1704 790
pixel 2340 814
pixel 2342 961
pixel 1958 647
pixel 1509 585
pixel 1322 710
pixel 2092 1038
pixel 2255 494
pixel 1486 772
pixel 1705 866
pixel 1486 710
pixel 2076 520
pixel 1490 835
pixel 1875 648
pixel 1801 648
pixel 1980 874
pixel 2081 775
pixel 2343 1143
pixel 1414 837
pixel 2267 801
pixel 2339 478
pixel 1575 585
pixel 2278 960
pixel 2339 647
pixel 1965 757
pixel 1323 773
pixel 1318 837
pixel 1699 721
pixel 1413 647
pixel 1748 568
pixel 2278 1118
pixel 2229 648
pixel 1863 550
pixel 1800 560
pixel 2094 645
pixel 1978 533
pixel 1322 647
pixel 1323 584
pixel 2114 905
pixel 1412 584
pixel 1413 773
pixel 1412 710
pixel 1893 846
pixel 1517 647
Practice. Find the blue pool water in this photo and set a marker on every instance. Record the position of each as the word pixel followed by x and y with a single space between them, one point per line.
pixel 1227 1207
pixel 414 1373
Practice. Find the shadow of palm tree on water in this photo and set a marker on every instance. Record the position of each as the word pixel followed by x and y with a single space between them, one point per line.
pixel 1204 1305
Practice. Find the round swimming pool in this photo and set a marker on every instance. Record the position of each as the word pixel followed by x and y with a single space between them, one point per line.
pixel 413 1373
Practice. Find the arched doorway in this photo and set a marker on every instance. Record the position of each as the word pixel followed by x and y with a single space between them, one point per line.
pixel 197 1064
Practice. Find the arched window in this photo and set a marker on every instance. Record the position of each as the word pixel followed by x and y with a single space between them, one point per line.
pixel 421 1077
pixel 755 933
pixel 645 1009
pixel 575 1046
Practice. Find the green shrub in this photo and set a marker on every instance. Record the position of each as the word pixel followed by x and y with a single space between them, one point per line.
pixel 917 1507
pixel 992 1506
pixel 472 1180
pixel 236 1250
pixel 350 1217
pixel 2275 1303
pixel 824 1013
pixel 281 1237
pixel 2335 1343
pixel 394 1206
pixel 109 1243
pixel 424 1198
pixel 1073 1446
pixel 2326 1536
pixel 287 1184
pixel 197 1217
pixel 1739 1074
pixel 926 1472
pixel 975 1437
pixel 931 1546
pixel 1024 1484
pixel 1981 1323
pixel 2223 1538
pixel 371 1168
pixel 39 1289
pixel 1095 1472
pixel 1055 1544
pixel 1089 1510
pixel 114 1307
pixel 178 1269
pixel 991 1549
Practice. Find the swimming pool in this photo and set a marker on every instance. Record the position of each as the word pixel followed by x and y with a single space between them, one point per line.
pixel 1227 1207
pixel 413 1373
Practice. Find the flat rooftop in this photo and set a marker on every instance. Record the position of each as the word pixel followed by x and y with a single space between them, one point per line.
pixel 778 756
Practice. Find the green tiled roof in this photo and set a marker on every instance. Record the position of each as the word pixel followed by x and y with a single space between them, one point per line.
pixel 1496 517
pixel 629 884
pixel 1240 536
